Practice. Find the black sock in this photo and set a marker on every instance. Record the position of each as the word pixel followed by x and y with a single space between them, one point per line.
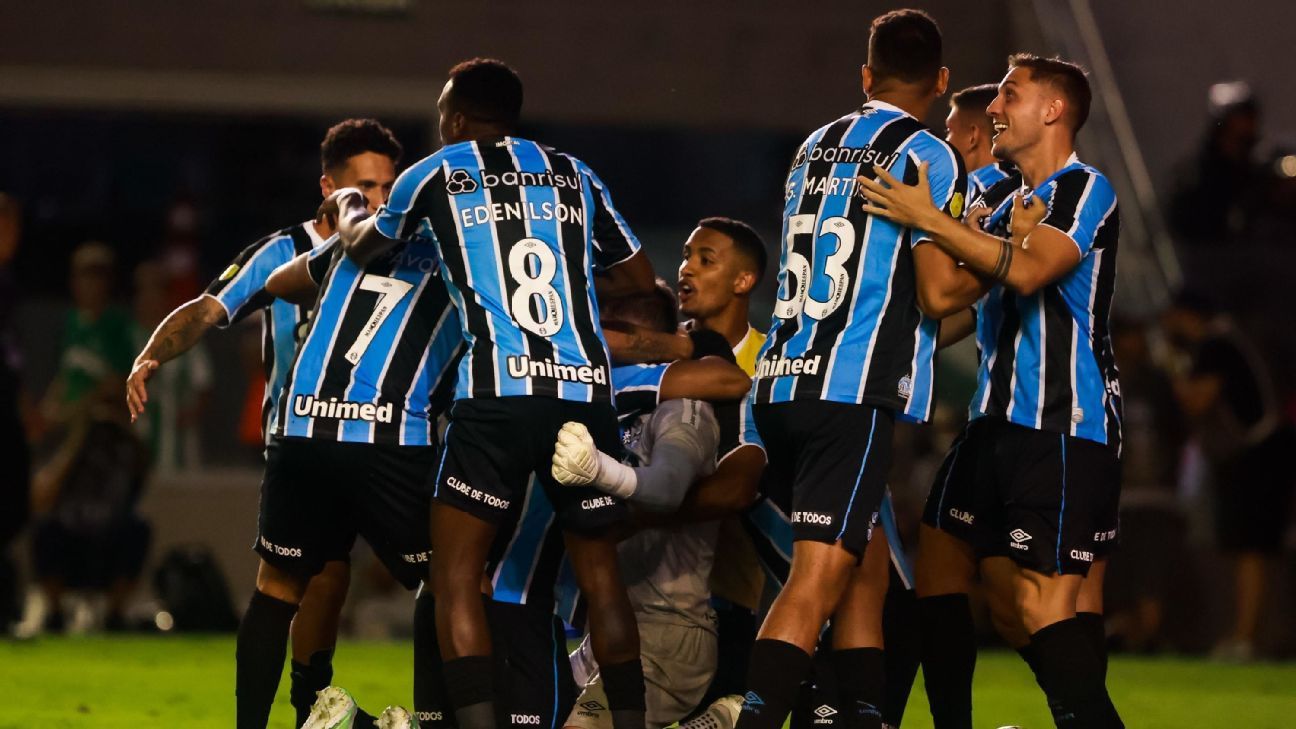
pixel 1071 676
pixel 309 679
pixel 470 686
pixel 948 658
pixel 431 701
pixel 903 637
pixel 259 658
pixel 861 674
pixel 774 674
pixel 1096 629
pixel 624 685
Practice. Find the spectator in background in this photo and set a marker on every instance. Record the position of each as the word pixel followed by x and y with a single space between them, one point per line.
pixel 179 393
pixel 97 348
pixel 1216 191
pixel 1152 524
pixel 15 460
pixel 1225 390
pixel 88 535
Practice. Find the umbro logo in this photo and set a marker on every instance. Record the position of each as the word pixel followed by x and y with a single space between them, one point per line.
pixel 1019 536
pixel 460 183
pixel 752 702
pixel 825 711
pixel 593 706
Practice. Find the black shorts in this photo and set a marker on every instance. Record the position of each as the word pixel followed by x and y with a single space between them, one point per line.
pixel 1038 497
pixel 318 495
pixel 493 445
pixel 828 463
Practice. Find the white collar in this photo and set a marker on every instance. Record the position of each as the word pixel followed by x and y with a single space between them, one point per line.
pixel 743 342
pixel 884 106
pixel 316 240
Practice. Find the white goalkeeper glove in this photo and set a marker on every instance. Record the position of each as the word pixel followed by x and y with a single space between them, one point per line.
pixel 578 462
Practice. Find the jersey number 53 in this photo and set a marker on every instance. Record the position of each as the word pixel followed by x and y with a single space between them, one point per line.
pixel 801 275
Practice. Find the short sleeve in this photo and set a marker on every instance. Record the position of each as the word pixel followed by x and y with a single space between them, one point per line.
pixel 614 242
pixel 946 175
pixel 737 428
pixel 407 209
pixel 320 259
pixel 240 288
pixel 1081 202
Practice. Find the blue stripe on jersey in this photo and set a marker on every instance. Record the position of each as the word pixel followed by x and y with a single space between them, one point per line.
pixel 1028 394
pixel 899 558
pixel 308 370
pixel 377 357
pixel 529 159
pixel 922 386
pixel 776 529
pixel 512 578
pixel 1089 397
pixel 485 274
pixel 831 205
pixel 983 178
pixel 250 279
pixel 639 377
pixel 282 321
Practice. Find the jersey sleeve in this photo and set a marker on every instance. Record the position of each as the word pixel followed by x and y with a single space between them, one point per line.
pixel 638 387
pixel 613 240
pixel 320 259
pixel 406 213
pixel 737 428
pixel 946 176
pixel 1081 201
pixel 240 288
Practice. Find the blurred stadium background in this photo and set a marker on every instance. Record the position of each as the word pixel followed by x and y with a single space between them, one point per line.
pixel 178 133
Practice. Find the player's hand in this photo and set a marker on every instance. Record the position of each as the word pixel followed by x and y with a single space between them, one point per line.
pixel 333 205
pixel 575 458
pixel 1027 212
pixel 908 205
pixel 136 390
pixel 976 217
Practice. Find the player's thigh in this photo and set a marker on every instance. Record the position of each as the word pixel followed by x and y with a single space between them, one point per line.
pixel 679 662
pixel 485 457
pixel 945 564
pixel 840 456
pixel 392 506
pixel 953 501
pixel 302 521
pixel 1054 489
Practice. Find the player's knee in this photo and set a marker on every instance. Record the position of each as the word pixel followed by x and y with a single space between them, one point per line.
pixel 330 586
pixel 279 584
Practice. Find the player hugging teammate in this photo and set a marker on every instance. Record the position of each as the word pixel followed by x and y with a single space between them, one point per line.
pixel 602 465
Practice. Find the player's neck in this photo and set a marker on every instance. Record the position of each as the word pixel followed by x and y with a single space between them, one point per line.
pixel 911 102
pixel 979 158
pixel 730 321
pixel 1040 162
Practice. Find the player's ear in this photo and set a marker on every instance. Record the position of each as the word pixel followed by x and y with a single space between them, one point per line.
pixel 942 81
pixel 327 186
pixel 1054 110
pixel 866 78
pixel 745 282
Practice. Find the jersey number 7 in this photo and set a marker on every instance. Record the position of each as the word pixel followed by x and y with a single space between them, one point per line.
pixel 390 291
pixel 799 274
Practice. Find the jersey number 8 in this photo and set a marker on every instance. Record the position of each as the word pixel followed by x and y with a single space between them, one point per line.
pixel 535 304
pixel 799 274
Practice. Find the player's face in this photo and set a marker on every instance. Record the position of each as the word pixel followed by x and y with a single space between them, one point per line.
pixel 370 173
pixel 710 274
pixel 1018 114
pixel 960 131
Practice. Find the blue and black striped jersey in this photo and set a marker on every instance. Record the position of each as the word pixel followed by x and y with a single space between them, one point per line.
pixel 520 229
pixel 1046 359
pixel 846 325
pixel 983 178
pixel 240 290
pixel 378 357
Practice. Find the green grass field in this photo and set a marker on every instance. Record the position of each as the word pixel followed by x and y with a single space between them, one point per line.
pixel 188 682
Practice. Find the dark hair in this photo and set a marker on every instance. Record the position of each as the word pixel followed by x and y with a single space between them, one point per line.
pixel 1068 78
pixel 905 45
pixel 657 310
pixel 975 98
pixel 345 140
pixel 487 90
pixel 745 239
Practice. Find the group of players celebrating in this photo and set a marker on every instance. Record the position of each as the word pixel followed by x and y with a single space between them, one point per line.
pixel 472 366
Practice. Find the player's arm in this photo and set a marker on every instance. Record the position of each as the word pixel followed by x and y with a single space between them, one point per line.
pixel 731 489
pixel 1045 254
pixel 298 280
pixel 177 334
pixel 943 287
pixel 645 345
pixel 685 435
pixel 711 379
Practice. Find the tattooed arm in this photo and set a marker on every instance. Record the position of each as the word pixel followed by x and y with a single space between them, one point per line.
pixel 180 331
